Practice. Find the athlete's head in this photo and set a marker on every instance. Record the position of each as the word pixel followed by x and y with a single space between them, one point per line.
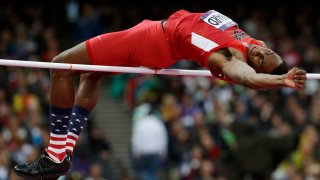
pixel 264 60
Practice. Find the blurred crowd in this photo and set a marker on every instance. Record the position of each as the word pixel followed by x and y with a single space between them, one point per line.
pixel 183 127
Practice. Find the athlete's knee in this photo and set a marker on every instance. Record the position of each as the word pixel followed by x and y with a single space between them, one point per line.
pixel 63 57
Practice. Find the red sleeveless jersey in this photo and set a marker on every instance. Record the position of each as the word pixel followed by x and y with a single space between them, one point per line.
pixel 194 36
pixel 190 36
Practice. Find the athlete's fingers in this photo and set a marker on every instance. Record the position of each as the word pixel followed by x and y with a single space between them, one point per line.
pixel 301 76
pixel 299 82
pixel 298 79
pixel 300 72
pixel 299 86
pixel 297 70
pixel 303 72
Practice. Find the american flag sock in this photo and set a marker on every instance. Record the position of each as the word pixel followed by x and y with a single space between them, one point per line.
pixel 59 123
pixel 78 122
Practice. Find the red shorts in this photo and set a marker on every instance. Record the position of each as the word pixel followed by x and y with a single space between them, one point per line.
pixel 142 45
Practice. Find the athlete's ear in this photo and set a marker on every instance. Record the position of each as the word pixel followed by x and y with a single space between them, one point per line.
pixel 263 43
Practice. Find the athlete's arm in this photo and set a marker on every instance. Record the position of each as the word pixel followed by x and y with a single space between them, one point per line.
pixel 240 72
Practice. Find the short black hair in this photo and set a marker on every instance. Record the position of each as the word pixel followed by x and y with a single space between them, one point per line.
pixel 280 69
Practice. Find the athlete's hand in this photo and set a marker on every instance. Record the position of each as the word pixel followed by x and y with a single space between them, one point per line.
pixel 295 78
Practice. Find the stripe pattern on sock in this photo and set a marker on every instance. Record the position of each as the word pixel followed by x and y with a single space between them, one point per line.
pixel 59 124
pixel 71 141
pixel 57 147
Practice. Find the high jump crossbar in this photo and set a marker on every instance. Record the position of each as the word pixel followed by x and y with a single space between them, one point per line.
pixel 139 70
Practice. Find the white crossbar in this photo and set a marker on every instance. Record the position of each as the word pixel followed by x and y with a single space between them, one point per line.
pixel 140 70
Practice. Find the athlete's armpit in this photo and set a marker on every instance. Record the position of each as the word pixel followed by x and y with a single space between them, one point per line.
pixel 226 52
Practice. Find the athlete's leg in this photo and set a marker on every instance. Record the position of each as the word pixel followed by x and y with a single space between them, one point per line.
pixel 85 100
pixel 62 90
pixel 69 110
pixel 88 91
pixel 62 96
pixel 55 160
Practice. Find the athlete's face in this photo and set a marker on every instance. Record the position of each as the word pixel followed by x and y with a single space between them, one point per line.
pixel 262 59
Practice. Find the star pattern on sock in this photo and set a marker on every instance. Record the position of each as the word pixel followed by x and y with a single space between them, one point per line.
pixel 75 127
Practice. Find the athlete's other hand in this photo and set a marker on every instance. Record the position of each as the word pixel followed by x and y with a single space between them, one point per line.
pixel 295 78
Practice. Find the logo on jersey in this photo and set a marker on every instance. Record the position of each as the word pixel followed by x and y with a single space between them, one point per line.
pixel 218 20
pixel 239 35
